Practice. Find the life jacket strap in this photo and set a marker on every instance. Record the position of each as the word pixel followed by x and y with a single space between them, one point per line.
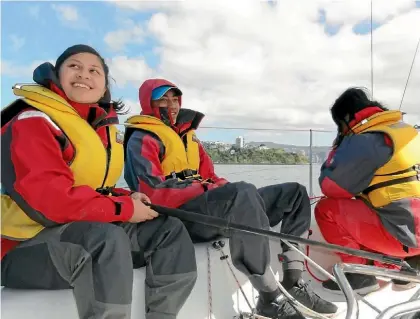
pixel 105 190
pixel 401 180
pixel 185 174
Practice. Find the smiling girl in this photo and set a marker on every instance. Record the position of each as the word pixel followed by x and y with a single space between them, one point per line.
pixel 64 224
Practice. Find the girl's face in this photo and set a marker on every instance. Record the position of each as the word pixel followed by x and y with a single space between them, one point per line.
pixel 82 78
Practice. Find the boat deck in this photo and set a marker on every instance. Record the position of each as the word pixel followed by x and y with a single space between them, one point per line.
pixel 227 300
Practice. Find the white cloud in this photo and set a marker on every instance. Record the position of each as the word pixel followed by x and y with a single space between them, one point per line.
pixel 124 70
pixel 251 64
pixel 17 42
pixel 133 106
pixel 117 40
pixel 21 72
pixel 146 5
pixel 356 10
pixel 34 11
pixel 66 12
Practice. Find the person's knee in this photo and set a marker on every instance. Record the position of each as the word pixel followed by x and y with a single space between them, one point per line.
pixel 297 188
pixel 238 187
pixel 239 192
pixel 302 190
pixel 248 192
pixel 325 209
pixel 244 186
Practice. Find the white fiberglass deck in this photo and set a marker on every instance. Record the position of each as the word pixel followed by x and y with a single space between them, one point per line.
pixel 227 300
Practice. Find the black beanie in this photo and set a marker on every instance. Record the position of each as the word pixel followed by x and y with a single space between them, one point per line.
pixel 82 48
pixel 75 49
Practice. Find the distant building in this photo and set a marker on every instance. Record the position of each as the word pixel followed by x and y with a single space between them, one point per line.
pixel 263 147
pixel 240 142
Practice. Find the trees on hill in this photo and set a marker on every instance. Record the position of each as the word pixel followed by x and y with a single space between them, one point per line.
pixel 236 155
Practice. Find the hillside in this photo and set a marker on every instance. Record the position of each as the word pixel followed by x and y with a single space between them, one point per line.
pixel 292 148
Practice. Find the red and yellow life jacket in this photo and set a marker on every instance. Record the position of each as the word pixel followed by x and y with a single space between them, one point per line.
pixel 399 177
pixel 91 165
pixel 182 156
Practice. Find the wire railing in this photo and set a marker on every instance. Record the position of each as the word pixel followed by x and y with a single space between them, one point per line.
pixel 313 144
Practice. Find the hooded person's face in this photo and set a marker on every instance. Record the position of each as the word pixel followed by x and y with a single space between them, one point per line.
pixel 169 102
pixel 82 78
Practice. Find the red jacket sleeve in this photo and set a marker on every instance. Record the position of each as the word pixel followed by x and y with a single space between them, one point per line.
pixel 143 173
pixel 207 168
pixel 45 181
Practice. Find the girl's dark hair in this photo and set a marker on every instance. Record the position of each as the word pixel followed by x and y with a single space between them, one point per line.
pixel 105 102
pixel 118 105
pixel 350 102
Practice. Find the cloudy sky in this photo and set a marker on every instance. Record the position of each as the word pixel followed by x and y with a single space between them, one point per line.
pixel 244 63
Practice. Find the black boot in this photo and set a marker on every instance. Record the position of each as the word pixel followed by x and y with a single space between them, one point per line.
pixel 279 308
pixel 360 283
pixel 400 285
pixel 306 296
pixel 414 262
pixel 414 315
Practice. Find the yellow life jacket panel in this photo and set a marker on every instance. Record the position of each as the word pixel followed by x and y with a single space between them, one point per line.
pixel 182 156
pixel 93 164
pixel 399 177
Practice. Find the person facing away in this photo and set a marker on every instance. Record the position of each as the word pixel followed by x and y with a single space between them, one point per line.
pixel 166 161
pixel 63 224
pixel 371 183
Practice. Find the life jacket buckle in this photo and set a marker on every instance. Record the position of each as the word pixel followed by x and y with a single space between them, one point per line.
pixel 187 173
pixel 182 175
pixel 417 170
pixel 105 190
